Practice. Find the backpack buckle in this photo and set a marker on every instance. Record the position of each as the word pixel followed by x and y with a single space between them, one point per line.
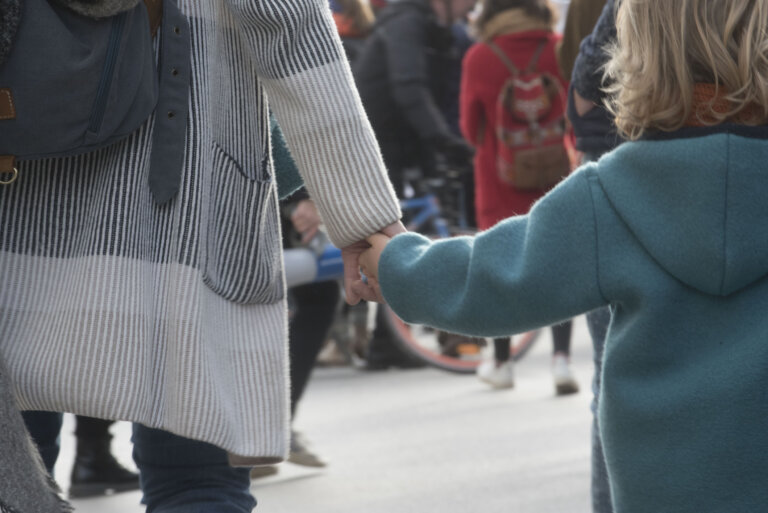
pixel 8 167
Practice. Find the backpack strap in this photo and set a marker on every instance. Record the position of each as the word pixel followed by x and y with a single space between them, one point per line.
pixel 503 57
pixel 536 55
pixel 508 62
pixel 8 171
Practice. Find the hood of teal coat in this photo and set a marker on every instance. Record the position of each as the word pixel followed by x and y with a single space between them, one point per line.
pixel 697 204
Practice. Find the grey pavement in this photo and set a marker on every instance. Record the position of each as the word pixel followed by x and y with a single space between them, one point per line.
pixel 422 441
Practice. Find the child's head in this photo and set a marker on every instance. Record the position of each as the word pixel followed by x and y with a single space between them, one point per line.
pixel 664 47
pixel 541 10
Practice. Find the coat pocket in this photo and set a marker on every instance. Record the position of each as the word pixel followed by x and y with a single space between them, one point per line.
pixel 243 252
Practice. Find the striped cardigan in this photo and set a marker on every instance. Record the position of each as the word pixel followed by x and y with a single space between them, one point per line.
pixel 174 316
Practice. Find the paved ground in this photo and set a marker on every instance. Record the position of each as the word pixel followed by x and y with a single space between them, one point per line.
pixel 424 440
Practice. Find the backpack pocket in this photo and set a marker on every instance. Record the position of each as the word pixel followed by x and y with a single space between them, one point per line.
pixel 242 258
pixel 538 168
pixel 78 83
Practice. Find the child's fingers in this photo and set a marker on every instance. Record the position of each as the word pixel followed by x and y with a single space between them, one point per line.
pixel 378 240
pixel 369 262
pixel 364 291
pixel 377 290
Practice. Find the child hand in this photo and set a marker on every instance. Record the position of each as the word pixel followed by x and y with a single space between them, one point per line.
pixel 369 261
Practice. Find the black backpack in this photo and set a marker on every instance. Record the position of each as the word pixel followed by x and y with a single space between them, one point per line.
pixel 73 84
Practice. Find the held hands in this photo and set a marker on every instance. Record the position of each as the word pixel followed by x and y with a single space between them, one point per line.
pixel 369 262
pixel 369 250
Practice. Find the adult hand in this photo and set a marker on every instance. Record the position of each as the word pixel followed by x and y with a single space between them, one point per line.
pixel 581 104
pixel 306 220
pixel 354 286
pixel 369 262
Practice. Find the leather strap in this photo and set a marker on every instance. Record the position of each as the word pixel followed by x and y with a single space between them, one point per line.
pixel 8 171
pixel 7 163
pixel 7 109
pixel 155 11
pixel 171 113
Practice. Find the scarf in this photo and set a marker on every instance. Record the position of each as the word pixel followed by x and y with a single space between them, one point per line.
pixel 10 14
pixel 706 97
pixel 25 486
pixel 99 8
pixel 511 21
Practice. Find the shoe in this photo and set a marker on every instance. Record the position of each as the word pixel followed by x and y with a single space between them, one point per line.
pixel 497 374
pixel 380 363
pixel 263 471
pixel 96 472
pixel 301 455
pixel 384 353
pixel 565 382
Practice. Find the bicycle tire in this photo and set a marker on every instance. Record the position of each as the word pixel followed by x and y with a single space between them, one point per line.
pixel 412 340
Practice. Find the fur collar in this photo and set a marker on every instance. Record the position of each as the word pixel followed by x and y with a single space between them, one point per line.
pixel 511 21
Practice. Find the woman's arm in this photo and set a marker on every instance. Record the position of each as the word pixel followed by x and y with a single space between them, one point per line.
pixel 301 63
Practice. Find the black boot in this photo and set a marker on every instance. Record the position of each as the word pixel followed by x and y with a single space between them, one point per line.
pixel 97 472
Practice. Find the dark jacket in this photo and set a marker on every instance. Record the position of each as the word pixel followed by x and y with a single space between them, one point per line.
pixel 579 23
pixel 595 131
pixel 400 73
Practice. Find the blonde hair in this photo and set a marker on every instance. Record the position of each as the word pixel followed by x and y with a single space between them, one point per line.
pixel 664 47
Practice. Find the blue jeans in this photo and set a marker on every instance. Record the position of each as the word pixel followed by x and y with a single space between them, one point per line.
pixel 44 427
pixel 177 474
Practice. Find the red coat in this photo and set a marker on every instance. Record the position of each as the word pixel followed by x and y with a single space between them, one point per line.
pixel 483 76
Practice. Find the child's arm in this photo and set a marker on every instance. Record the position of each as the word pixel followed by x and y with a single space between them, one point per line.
pixel 526 272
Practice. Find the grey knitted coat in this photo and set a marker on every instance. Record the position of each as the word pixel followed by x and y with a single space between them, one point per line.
pixel 175 317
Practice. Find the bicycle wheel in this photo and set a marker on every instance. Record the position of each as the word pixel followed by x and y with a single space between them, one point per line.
pixel 449 351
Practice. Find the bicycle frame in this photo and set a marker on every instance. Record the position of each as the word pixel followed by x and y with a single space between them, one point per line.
pixel 428 209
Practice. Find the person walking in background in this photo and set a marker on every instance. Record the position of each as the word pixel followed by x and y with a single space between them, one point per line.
pixel 173 316
pixel 311 307
pixel 595 135
pixel 669 229
pixel 95 470
pixel 579 22
pixel 402 73
pixel 520 33
pixel 354 21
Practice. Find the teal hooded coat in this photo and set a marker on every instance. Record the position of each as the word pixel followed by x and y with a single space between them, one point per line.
pixel 673 235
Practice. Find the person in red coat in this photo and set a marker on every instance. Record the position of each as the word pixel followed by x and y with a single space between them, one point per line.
pixel 518 28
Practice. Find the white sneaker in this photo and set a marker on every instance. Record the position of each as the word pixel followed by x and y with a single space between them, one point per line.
pixel 565 382
pixel 498 375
